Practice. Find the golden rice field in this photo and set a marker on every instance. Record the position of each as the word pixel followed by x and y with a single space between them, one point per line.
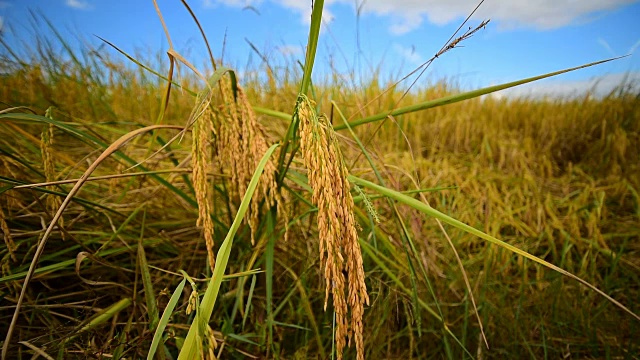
pixel 266 216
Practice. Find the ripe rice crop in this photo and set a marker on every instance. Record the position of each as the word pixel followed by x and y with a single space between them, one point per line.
pixel 337 224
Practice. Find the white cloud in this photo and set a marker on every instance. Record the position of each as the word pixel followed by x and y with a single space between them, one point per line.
pixel 406 24
pixel 78 4
pixel 303 7
pixel 230 3
pixel 407 15
pixel 409 54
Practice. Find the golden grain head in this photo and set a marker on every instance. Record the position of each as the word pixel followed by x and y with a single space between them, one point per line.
pixel 201 161
pixel 241 142
pixel 8 238
pixel 337 232
pixel 52 202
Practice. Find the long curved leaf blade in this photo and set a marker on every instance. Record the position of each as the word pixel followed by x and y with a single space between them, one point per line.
pixel 428 210
pixel 461 97
pixel 164 320
pixel 189 349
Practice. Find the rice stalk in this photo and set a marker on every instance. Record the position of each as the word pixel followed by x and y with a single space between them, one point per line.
pixel 337 232
pixel 52 201
pixel 6 235
pixel 200 154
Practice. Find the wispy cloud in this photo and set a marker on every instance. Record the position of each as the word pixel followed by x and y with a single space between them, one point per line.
pixel 406 24
pixel 231 3
pixel 605 44
pixel 539 14
pixel 78 4
pixel 408 54
pixel 405 16
pixel 408 15
pixel 302 7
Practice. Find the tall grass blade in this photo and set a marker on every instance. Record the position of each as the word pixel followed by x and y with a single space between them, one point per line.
pixel 269 258
pixel 149 293
pixel 190 348
pixel 461 97
pixel 164 320
pixel 428 210
pixel 312 44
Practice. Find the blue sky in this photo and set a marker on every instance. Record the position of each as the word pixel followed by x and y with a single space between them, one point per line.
pixel 524 38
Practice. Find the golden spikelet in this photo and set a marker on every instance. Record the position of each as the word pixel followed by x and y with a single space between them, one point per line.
pixel 52 201
pixel 241 142
pixel 209 344
pixel 336 224
pixel 201 160
pixel 8 239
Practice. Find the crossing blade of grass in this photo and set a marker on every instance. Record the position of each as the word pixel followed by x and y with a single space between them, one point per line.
pixel 274 113
pixel 164 320
pixel 204 311
pixel 97 320
pixel 36 349
pixel 249 298
pixel 145 67
pixel 428 210
pixel 40 248
pixel 268 259
pixel 122 339
pixel 17 184
pixel 94 141
pixel 204 36
pixel 106 314
pixel 149 293
pixel 69 263
pixel 464 96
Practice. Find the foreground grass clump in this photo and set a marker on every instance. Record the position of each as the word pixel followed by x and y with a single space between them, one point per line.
pixel 556 178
